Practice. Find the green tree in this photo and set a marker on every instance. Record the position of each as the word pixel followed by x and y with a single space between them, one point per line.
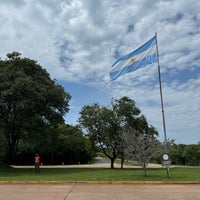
pixel 126 115
pixel 105 125
pixel 31 99
pixel 183 154
pixel 73 147
pixel 96 120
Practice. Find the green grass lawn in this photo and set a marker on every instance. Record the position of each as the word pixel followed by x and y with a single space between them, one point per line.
pixel 99 174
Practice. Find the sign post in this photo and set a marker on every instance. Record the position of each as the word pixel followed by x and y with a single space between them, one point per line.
pixel 166 161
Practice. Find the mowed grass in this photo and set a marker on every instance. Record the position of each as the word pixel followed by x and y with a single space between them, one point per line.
pixel 99 174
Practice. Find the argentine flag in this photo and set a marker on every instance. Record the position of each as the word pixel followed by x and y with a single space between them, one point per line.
pixel 144 55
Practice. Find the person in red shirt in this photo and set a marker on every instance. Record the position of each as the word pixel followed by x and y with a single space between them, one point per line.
pixel 37 163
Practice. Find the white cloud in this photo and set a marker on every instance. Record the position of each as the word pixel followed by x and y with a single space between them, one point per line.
pixel 79 40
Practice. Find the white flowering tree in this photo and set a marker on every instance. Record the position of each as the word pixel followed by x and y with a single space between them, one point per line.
pixel 140 145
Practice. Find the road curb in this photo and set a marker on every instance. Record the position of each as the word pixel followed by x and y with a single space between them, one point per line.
pixel 102 182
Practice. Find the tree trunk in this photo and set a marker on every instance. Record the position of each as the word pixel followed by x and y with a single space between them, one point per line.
pixel 112 162
pixel 12 146
pixel 122 163
pixel 11 152
pixel 145 169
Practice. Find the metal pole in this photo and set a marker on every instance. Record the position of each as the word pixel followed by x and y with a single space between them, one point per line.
pixel 161 96
pixel 162 106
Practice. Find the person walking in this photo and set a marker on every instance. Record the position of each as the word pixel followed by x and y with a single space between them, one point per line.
pixel 37 163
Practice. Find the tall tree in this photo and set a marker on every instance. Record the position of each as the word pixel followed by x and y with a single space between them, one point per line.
pixel 96 120
pixel 30 99
pixel 105 125
pixel 127 115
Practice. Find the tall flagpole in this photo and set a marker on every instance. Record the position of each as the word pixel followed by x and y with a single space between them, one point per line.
pixel 162 106
pixel 161 96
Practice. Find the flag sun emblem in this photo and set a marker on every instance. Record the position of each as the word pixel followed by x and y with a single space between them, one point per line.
pixel 132 60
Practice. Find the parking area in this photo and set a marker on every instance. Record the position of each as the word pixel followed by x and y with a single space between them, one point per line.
pixel 78 191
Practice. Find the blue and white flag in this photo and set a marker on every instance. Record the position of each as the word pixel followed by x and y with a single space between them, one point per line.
pixel 144 55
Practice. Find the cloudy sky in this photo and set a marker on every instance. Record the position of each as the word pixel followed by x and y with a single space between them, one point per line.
pixel 77 41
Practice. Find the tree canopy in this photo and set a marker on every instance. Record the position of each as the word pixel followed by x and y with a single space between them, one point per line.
pixel 29 100
pixel 105 125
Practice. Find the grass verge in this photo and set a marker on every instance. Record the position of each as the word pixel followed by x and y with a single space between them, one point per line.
pixel 99 174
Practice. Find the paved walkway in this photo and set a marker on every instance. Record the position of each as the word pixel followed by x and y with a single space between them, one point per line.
pixel 99 163
pixel 99 192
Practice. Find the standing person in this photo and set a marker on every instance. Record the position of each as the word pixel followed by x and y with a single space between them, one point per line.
pixel 37 163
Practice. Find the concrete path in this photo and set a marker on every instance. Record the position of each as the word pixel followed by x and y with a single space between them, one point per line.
pixel 99 192
pixel 99 163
